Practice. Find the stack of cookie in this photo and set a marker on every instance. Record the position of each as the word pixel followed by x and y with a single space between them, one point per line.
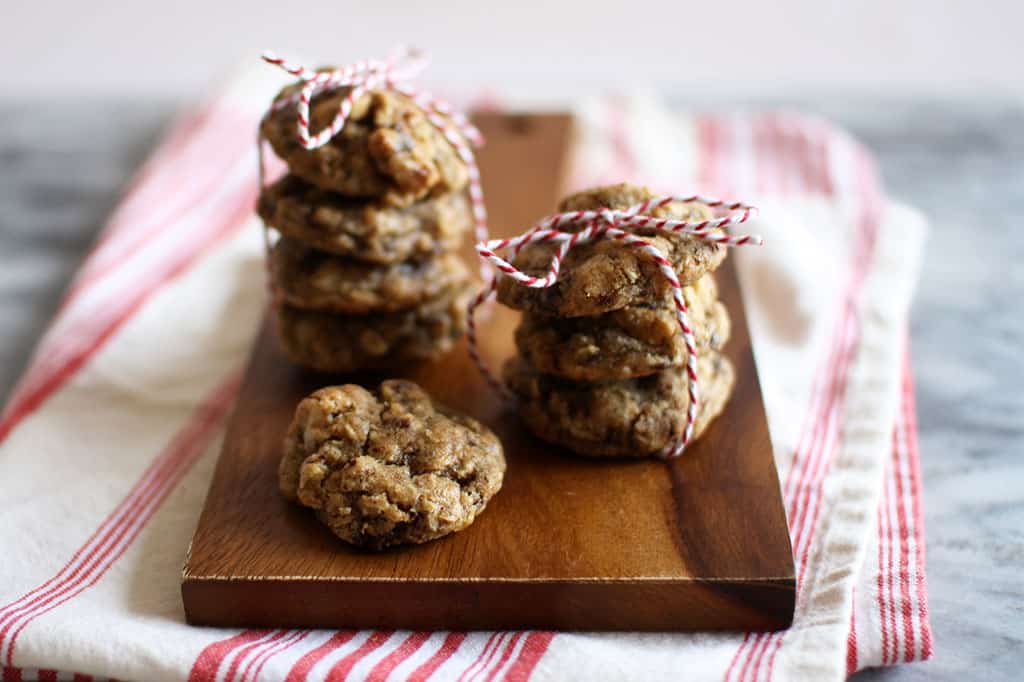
pixel 601 367
pixel 365 270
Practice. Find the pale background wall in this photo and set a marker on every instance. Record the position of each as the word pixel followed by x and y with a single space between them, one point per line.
pixel 913 47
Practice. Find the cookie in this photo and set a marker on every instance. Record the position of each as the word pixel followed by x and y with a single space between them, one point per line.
pixel 366 229
pixel 342 343
pixel 316 280
pixel 630 342
pixel 388 467
pixel 630 418
pixel 387 148
pixel 607 275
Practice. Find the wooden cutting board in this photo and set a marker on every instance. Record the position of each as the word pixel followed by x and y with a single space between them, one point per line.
pixel 569 543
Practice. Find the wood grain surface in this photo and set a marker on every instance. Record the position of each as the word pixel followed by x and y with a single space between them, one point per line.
pixel 569 543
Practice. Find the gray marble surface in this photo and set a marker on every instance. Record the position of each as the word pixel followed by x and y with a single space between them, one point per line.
pixel 962 163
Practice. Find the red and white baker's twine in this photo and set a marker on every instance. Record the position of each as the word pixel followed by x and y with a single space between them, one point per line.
pixel 388 74
pixel 618 225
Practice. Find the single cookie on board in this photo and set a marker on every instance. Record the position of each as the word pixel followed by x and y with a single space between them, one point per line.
pixel 626 343
pixel 317 280
pixel 631 417
pixel 343 343
pixel 387 147
pixel 362 228
pixel 388 467
pixel 607 275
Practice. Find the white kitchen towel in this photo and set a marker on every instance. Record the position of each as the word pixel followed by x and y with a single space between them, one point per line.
pixel 108 442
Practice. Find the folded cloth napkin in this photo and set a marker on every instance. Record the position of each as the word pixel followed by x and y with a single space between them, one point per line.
pixel 108 442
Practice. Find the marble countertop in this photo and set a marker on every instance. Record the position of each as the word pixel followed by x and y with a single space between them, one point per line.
pixel 961 163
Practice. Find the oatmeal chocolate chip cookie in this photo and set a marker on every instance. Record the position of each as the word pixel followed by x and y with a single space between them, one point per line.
pixel 626 343
pixel 341 343
pixel 388 467
pixel 606 275
pixel 387 148
pixel 316 280
pixel 631 417
pixel 362 228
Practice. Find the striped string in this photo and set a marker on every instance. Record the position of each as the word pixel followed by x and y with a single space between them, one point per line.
pixel 614 224
pixel 388 74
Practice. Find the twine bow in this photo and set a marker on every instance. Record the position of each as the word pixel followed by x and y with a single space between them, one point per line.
pixel 374 74
pixel 618 225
